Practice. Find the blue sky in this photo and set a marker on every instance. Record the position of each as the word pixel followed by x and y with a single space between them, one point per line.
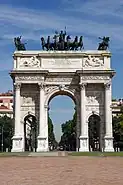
pixel 33 19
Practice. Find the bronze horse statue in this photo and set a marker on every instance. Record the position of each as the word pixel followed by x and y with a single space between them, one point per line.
pixel 104 44
pixel 62 44
pixel 48 45
pixel 75 45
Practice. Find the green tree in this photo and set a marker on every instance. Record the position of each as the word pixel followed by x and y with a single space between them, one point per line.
pixel 6 133
pixel 117 123
pixel 68 138
pixel 51 135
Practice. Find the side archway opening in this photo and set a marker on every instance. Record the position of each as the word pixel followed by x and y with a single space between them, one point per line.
pixel 94 132
pixel 30 133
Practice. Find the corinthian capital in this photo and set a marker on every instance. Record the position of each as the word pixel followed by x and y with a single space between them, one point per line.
pixel 17 86
pixel 82 86
pixel 41 85
pixel 107 85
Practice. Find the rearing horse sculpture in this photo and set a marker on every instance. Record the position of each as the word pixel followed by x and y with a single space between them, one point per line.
pixel 18 44
pixel 104 44
pixel 48 45
pixel 76 44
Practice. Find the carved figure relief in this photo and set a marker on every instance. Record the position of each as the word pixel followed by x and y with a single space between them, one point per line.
pixel 84 143
pixel 108 143
pixel 18 143
pixel 92 61
pixel 62 87
pixel 94 97
pixel 29 99
pixel 49 89
pixel 42 143
pixel 30 62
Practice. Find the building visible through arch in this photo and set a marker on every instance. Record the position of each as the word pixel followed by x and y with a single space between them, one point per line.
pixel 83 75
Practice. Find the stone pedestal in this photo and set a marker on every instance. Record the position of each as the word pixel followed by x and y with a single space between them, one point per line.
pixel 17 144
pixel 42 144
pixel 108 144
pixel 83 144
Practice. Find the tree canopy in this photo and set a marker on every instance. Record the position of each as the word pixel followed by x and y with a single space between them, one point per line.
pixel 6 132
pixel 68 138
pixel 51 135
pixel 118 131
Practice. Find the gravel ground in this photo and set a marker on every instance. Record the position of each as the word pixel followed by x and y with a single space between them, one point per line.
pixel 61 171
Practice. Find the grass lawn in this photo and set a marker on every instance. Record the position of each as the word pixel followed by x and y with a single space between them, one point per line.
pixel 120 154
pixel 12 154
pixel 98 154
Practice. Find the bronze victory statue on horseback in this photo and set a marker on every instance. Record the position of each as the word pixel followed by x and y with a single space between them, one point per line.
pixel 104 44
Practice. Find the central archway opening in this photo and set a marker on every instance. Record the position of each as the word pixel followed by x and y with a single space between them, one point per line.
pixel 63 119
pixel 30 133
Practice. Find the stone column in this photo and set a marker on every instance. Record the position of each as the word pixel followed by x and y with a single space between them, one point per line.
pixel 17 145
pixel 84 127
pixel 46 126
pixel 42 127
pixel 77 108
pixel 108 119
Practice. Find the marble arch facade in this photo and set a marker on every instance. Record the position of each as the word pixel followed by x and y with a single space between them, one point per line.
pixel 85 76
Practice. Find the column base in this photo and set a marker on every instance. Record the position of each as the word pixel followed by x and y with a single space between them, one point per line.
pixel 108 144
pixel 17 144
pixel 42 144
pixel 83 144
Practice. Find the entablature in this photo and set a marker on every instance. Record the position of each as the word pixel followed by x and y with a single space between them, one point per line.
pixel 56 61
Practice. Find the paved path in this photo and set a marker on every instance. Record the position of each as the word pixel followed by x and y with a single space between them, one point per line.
pixel 61 171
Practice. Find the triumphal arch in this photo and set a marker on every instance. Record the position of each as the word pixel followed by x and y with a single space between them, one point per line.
pixel 85 76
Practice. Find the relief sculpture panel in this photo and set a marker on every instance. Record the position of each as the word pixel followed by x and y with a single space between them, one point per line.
pixel 29 99
pixel 29 62
pixel 94 97
pixel 92 61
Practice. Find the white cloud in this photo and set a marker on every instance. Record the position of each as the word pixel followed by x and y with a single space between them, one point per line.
pixel 96 7
pixel 87 19
pixel 27 22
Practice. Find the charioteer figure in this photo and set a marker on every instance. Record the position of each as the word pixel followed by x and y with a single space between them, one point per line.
pixel 62 40
pixel 56 40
